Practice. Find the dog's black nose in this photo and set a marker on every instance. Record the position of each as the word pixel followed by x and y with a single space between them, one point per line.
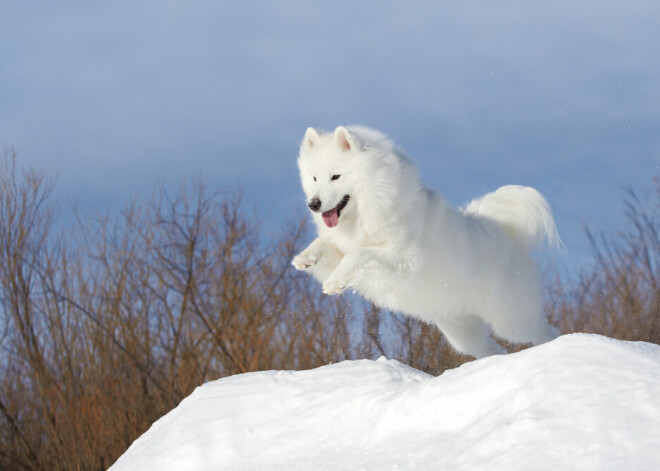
pixel 315 204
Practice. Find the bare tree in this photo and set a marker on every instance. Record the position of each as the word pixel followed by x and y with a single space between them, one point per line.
pixel 619 294
pixel 107 328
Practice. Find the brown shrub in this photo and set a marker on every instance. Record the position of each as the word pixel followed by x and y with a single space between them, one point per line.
pixel 618 295
pixel 109 326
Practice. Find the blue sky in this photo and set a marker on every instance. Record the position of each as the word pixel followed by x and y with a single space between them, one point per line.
pixel 119 96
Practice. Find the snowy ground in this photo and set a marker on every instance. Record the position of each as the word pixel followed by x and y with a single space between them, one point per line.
pixel 580 402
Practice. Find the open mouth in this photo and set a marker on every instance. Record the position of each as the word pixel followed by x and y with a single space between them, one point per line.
pixel 331 218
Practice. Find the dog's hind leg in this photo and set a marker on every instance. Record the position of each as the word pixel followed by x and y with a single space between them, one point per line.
pixel 531 328
pixel 469 335
pixel 518 317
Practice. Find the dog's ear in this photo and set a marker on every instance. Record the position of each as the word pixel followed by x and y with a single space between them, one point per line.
pixel 344 139
pixel 311 138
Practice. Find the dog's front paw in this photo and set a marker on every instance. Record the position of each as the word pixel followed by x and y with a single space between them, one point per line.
pixel 333 286
pixel 304 261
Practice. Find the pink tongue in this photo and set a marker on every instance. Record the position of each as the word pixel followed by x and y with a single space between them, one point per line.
pixel 330 218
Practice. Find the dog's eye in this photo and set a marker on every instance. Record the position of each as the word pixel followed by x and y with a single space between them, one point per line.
pixel 335 177
pixel 314 178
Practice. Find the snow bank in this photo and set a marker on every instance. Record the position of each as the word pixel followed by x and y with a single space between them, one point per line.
pixel 579 402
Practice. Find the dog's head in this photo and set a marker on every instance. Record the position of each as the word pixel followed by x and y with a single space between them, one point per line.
pixel 357 174
pixel 327 174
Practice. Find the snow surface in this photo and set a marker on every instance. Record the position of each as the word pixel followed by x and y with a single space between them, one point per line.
pixel 579 402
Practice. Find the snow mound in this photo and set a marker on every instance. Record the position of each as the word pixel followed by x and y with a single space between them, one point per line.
pixel 579 402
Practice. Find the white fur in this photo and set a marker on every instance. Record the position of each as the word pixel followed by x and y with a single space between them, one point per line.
pixel 404 248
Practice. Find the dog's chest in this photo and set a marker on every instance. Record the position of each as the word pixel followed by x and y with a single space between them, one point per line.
pixel 346 242
pixel 346 237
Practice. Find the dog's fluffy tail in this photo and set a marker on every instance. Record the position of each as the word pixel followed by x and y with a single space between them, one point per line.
pixel 522 211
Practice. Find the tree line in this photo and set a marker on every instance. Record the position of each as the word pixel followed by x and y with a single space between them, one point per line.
pixel 108 324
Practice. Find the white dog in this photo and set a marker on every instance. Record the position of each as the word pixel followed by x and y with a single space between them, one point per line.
pixel 381 233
